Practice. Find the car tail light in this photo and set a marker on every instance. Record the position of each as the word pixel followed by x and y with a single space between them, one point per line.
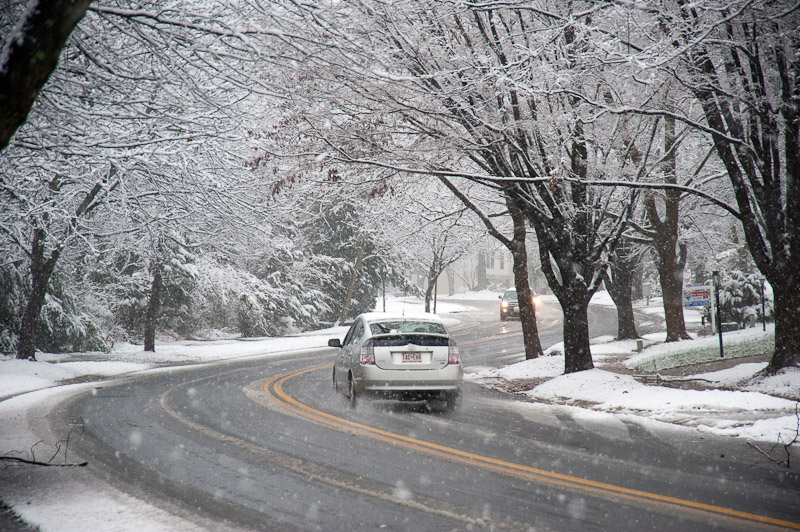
pixel 367 354
pixel 454 357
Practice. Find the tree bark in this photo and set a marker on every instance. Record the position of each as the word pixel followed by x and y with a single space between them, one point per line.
pixel 626 321
pixel 527 308
pixel 787 330
pixel 574 297
pixel 152 311
pixel 351 286
pixel 519 255
pixel 576 335
pixel 670 273
pixel 620 287
pixel 41 271
pixel 665 242
pixel 30 55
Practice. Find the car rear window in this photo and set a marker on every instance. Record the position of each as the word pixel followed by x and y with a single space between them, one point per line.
pixel 406 326
pixel 393 340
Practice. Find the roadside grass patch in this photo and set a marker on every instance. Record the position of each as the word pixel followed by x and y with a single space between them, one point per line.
pixel 738 344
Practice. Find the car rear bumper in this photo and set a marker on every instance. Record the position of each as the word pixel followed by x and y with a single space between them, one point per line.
pixel 373 379
pixel 413 395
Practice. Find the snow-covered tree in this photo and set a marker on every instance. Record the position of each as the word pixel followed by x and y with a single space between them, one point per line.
pixel 139 130
pixel 739 61
pixel 740 298
pixel 479 92
pixel 30 50
pixel 516 244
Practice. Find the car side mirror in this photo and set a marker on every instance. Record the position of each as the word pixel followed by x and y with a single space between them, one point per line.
pixel 334 342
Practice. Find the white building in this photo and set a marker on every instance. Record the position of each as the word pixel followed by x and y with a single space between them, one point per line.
pixel 482 270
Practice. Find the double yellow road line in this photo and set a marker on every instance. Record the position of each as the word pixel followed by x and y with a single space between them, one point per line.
pixel 274 388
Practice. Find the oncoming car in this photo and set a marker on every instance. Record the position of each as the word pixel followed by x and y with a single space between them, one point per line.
pixel 509 303
pixel 398 357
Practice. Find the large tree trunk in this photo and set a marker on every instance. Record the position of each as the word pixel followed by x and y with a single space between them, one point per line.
pixel 574 297
pixel 665 241
pixel 620 287
pixel 626 321
pixel 670 273
pixel 41 271
pixel 577 353
pixel 527 308
pixel 787 329
pixel 31 56
pixel 152 311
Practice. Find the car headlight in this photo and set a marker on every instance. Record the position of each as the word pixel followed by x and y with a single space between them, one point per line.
pixel 504 303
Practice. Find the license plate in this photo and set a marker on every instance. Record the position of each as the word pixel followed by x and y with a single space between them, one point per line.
pixel 412 357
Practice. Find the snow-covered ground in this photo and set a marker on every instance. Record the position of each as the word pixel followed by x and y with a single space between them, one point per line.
pixel 738 403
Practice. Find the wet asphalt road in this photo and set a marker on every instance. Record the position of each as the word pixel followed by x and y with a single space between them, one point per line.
pixel 266 444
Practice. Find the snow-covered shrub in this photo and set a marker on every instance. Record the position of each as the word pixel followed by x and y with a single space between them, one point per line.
pixel 740 298
pixel 250 313
pixel 330 246
pixel 122 278
pixel 12 304
pixel 63 325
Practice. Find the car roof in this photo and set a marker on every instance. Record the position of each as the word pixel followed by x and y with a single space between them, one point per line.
pixel 386 316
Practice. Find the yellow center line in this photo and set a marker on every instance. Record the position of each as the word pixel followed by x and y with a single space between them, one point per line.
pixel 274 388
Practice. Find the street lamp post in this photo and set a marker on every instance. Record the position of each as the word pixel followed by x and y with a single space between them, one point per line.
pixel 715 277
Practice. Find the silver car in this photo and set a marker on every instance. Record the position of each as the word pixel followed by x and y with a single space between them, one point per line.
pixel 399 357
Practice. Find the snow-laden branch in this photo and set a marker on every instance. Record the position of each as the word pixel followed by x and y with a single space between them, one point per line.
pixel 183 22
pixel 498 180
pixel 631 110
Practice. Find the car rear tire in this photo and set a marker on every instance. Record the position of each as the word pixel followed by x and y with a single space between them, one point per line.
pixel 452 401
pixel 351 391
